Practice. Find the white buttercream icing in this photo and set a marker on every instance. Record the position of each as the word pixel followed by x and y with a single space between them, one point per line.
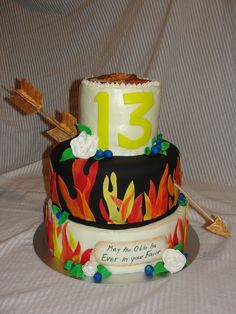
pixel 119 85
pixel 117 246
pixel 120 115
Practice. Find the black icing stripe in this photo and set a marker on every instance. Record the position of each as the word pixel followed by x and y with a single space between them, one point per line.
pixel 123 226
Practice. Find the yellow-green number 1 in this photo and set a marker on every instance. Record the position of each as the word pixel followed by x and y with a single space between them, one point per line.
pixel 146 101
pixel 102 99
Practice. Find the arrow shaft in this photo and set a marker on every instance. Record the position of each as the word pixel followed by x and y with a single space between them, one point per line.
pixel 53 121
pixel 195 205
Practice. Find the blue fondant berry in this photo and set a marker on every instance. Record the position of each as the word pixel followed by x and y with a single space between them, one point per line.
pixel 99 153
pixel 59 215
pixel 158 142
pixel 182 199
pixel 107 154
pixel 149 269
pixel 97 277
pixel 185 254
pixel 155 149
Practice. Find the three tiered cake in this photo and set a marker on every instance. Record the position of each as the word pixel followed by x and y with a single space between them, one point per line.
pixel 114 203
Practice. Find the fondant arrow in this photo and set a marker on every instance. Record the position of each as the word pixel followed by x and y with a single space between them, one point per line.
pixel 28 99
pixel 216 224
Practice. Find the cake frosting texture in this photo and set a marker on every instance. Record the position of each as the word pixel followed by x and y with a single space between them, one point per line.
pixel 121 251
pixel 123 113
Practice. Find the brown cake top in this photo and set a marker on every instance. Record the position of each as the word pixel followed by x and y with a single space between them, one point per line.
pixel 119 78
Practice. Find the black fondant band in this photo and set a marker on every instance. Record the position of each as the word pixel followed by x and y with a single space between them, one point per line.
pixel 123 226
pixel 141 170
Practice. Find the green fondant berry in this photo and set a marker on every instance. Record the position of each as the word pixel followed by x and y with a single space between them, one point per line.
pixel 159 268
pixel 147 151
pixel 68 264
pixel 103 271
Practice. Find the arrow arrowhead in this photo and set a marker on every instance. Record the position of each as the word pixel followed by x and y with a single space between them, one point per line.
pixel 218 227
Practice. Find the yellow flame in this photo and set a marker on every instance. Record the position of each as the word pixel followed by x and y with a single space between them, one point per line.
pixel 72 240
pixel 119 210
pixel 148 207
pixel 127 206
pixel 56 243
pixel 112 208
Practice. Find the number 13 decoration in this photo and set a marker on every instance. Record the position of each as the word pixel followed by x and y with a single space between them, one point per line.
pixel 145 100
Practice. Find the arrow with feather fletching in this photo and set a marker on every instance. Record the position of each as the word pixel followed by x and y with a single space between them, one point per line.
pixel 29 100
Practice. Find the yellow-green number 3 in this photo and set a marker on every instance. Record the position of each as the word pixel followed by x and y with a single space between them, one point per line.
pixel 146 101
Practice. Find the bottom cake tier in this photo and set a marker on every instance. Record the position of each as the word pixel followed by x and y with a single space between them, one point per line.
pixel 119 251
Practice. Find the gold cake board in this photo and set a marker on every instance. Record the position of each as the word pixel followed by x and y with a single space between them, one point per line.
pixel 41 249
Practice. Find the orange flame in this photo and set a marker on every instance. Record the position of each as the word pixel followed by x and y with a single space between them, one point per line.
pixel 136 214
pixel 123 205
pixel 54 232
pixel 104 212
pixel 161 204
pixel 157 204
pixel 79 207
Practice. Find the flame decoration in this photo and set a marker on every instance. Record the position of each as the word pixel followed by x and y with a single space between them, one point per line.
pixel 114 210
pixel 120 210
pixel 179 234
pixel 53 185
pixel 79 207
pixel 156 203
pixel 61 245
pixel 62 242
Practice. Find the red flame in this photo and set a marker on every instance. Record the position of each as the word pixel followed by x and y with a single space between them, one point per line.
pixel 104 212
pixel 53 184
pixel 178 235
pixel 86 256
pixel 178 173
pixel 136 214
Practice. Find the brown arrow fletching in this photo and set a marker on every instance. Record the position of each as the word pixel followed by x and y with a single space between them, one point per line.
pixel 68 121
pixel 67 128
pixel 26 98
pixel 58 135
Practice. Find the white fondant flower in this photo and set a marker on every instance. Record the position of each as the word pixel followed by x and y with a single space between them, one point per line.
pixel 84 145
pixel 89 268
pixel 173 260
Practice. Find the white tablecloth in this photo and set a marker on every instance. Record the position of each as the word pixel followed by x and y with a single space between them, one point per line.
pixel 188 46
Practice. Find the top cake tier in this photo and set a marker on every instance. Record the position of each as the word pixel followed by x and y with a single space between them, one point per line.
pixel 122 110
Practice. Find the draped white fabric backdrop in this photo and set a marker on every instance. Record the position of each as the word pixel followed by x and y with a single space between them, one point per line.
pixel 189 47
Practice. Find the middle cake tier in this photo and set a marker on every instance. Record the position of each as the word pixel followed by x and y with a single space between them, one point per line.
pixel 116 193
